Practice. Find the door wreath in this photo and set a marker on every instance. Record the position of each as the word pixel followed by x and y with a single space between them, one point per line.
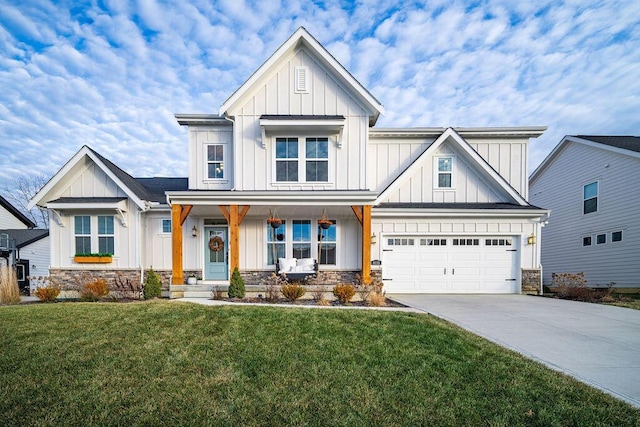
pixel 216 243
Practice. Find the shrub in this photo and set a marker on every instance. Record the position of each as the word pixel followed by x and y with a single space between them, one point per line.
pixel 236 287
pixel 126 288
pixel 47 293
pixel 272 286
pixel 317 292
pixel 293 291
pixel 216 293
pixel 152 285
pixel 572 286
pixel 9 291
pixel 377 300
pixel 94 290
pixel 344 292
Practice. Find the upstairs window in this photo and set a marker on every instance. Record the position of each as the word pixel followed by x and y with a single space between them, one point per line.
pixel 302 159
pixel 445 171
pixel 215 161
pixel 590 198
pixel 286 159
pixel 105 235
pixel 82 225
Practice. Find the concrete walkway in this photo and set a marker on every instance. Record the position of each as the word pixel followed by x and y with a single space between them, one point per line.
pixel 597 344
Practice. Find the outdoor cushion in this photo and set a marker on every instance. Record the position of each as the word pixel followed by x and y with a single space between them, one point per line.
pixel 305 262
pixel 286 264
pixel 303 268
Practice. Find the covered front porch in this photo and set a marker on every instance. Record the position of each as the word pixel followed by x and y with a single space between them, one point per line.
pixel 214 232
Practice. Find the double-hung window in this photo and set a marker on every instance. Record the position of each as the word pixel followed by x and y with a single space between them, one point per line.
pixel 301 238
pixel 302 159
pixel 328 243
pixel 276 243
pixel 445 171
pixel 82 225
pixel 105 234
pixel 215 161
pixel 590 198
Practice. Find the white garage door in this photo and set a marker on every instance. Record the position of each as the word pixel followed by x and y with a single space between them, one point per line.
pixel 450 264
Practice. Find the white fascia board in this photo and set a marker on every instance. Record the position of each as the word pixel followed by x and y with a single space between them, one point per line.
pixel 283 124
pixel 138 201
pixel 495 132
pixel 121 205
pixel 201 119
pixel 460 213
pixel 255 198
pixel 302 36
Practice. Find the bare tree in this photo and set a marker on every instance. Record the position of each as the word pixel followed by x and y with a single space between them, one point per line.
pixel 21 190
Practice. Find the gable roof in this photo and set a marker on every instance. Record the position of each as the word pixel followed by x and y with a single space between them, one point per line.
pixel 626 145
pixel 25 237
pixel 140 190
pixel 16 213
pixel 301 37
pixel 451 135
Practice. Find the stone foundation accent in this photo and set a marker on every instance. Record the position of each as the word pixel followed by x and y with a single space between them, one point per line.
pixel 531 281
pixel 328 278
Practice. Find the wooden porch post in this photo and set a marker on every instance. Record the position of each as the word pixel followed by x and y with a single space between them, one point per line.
pixel 234 238
pixel 176 245
pixel 366 244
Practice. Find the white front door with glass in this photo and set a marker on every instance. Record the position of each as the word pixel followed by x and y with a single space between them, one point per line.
pixel 216 249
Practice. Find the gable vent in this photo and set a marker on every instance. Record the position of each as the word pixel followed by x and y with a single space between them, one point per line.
pixel 301 80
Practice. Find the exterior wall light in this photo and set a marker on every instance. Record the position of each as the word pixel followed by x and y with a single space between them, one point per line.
pixel 194 231
pixel 531 239
pixel 374 239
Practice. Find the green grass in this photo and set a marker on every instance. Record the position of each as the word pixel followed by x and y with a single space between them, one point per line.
pixel 168 363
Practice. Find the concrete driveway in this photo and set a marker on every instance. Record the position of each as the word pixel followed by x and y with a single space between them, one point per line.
pixel 597 344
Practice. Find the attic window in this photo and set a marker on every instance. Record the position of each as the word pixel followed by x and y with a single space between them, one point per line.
pixel 301 75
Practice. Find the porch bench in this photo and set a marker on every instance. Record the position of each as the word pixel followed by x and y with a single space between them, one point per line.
pixel 297 269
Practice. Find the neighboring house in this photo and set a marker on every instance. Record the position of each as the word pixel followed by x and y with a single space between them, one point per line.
pixel 438 210
pixel 590 184
pixel 22 246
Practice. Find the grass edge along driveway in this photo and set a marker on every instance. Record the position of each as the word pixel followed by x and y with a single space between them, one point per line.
pixel 158 363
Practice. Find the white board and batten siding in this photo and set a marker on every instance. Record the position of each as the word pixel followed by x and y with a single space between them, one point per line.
pixel 200 137
pixel 8 221
pixel 560 188
pixel 274 95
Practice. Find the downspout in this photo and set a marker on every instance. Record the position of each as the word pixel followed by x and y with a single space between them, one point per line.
pixel 233 146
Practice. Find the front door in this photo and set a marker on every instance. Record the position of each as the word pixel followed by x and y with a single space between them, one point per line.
pixel 216 249
pixel 22 272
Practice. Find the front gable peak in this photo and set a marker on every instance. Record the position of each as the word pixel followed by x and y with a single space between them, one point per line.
pixel 301 39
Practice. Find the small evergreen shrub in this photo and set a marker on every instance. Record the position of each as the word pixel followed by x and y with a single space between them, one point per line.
pixel 47 293
pixel 94 290
pixel 9 291
pixel 236 287
pixel 344 292
pixel 152 285
pixel 293 291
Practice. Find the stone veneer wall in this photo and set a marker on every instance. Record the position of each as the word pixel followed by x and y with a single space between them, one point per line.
pixel 328 278
pixel 74 279
pixel 531 280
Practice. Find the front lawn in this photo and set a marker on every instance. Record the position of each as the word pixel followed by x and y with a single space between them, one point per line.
pixel 170 363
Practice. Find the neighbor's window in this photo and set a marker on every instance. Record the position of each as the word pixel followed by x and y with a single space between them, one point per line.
pixel 616 236
pixel 166 226
pixel 317 164
pixel 215 161
pixel 83 234
pixel 586 241
pixel 601 239
pixel 105 234
pixel 286 159
pixel 301 238
pixel 445 169
pixel 276 243
pixel 328 244
pixel 590 198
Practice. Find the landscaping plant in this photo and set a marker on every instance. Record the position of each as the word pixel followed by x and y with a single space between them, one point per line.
pixel 344 292
pixel 293 291
pixel 152 285
pixel 9 291
pixel 94 290
pixel 236 287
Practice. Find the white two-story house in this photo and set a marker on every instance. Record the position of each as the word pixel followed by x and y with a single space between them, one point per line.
pixel 428 210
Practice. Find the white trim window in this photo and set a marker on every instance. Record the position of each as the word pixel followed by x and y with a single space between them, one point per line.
pixel 301 238
pixel 106 236
pixel 302 159
pixel 276 243
pixel 215 161
pixel 82 231
pixel 444 176
pixel 590 198
pixel 165 226
pixel 329 245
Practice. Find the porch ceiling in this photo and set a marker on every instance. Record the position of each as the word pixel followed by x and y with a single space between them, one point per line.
pixel 283 211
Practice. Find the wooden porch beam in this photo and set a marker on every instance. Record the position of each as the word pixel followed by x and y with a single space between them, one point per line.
pixel 186 209
pixel 366 244
pixel 176 246
pixel 243 213
pixel 356 210
pixel 225 212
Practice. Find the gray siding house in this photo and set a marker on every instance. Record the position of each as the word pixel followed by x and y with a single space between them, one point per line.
pixel 590 185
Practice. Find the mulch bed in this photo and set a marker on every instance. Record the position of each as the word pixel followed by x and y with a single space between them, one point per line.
pixel 336 303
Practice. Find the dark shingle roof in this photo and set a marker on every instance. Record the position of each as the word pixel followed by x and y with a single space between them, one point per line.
pixel 15 212
pixel 126 179
pixel 26 236
pixel 157 186
pixel 631 143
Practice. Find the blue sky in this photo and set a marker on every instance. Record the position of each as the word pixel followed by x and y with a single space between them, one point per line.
pixel 112 74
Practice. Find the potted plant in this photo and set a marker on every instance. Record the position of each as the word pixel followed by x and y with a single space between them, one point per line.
pixel 93 258
pixel 192 280
pixel 273 220
pixel 323 222
pixel 198 280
